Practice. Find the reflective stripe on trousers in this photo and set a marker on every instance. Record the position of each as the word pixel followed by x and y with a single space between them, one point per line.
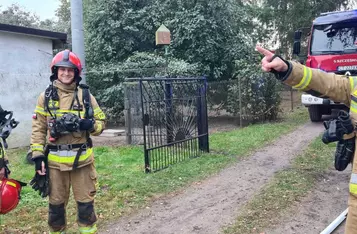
pixel 89 230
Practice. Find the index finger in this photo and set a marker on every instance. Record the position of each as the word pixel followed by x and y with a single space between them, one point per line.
pixel 264 51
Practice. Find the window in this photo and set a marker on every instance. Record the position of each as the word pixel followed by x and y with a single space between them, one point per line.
pixel 334 39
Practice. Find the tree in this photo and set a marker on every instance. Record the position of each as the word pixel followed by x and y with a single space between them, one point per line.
pixel 15 15
pixel 212 33
pixel 209 33
pixel 48 24
pixel 64 20
pixel 117 28
pixel 283 17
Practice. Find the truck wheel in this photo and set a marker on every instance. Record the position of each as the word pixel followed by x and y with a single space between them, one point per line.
pixel 315 113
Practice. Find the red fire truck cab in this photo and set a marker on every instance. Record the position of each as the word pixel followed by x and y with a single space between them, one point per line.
pixel 332 47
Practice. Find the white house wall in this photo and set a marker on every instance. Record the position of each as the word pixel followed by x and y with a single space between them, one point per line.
pixel 24 74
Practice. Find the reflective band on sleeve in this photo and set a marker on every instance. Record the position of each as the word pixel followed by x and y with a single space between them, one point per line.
pixel 353 82
pixel 353 184
pixel 37 147
pixel 353 189
pixel 68 156
pixel 97 110
pixel 99 114
pixel 306 79
pixel 353 106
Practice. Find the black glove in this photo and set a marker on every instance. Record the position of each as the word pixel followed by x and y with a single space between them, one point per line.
pixel 336 128
pixel 86 125
pixel 346 123
pixel 40 183
pixel 281 75
pixel 331 134
pixel 38 162
pixel 344 153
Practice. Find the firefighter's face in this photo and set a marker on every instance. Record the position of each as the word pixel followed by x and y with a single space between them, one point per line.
pixel 65 75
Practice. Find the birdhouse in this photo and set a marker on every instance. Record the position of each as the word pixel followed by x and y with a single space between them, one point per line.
pixel 162 36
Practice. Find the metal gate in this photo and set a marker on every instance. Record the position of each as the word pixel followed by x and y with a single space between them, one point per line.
pixel 174 120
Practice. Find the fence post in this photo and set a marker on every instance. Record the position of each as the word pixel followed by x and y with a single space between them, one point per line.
pixel 202 115
pixel 240 102
pixel 292 98
pixel 168 102
pixel 146 152
pixel 127 114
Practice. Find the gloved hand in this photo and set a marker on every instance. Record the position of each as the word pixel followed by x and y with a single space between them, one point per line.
pixel 344 153
pixel 86 124
pixel 38 162
pixel 337 128
pixel 40 183
pixel 345 121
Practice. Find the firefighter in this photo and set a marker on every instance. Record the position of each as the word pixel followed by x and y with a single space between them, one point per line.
pixel 65 117
pixel 339 88
pixel 3 159
pixel 10 189
pixel 7 123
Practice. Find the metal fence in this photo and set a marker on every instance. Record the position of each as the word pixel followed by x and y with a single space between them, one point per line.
pixel 224 98
pixel 169 117
pixel 220 118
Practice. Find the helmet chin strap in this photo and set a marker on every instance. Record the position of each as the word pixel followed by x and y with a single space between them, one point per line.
pixel 73 81
pixel 77 79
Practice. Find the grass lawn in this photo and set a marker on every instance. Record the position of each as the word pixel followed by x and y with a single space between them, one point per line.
pixel 123 185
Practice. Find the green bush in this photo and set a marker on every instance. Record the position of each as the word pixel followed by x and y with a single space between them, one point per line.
pixel 259 91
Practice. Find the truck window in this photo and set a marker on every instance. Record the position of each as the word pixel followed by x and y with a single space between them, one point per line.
pixel 330 39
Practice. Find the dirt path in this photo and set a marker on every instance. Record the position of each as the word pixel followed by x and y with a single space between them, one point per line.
pixel 215 202
pixel 317 210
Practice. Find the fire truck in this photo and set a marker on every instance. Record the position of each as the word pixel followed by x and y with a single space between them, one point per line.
pixel 331 47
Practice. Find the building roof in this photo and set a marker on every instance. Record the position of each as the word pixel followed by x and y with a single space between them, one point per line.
pixel 58 38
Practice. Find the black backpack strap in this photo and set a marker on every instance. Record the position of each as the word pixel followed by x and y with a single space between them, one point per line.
pixel 50 93
pixel 89 113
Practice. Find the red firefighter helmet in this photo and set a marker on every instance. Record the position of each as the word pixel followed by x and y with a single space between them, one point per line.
pixel 9 195
pixel 66 58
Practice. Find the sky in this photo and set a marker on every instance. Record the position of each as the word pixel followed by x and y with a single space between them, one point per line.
pixel 45 9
